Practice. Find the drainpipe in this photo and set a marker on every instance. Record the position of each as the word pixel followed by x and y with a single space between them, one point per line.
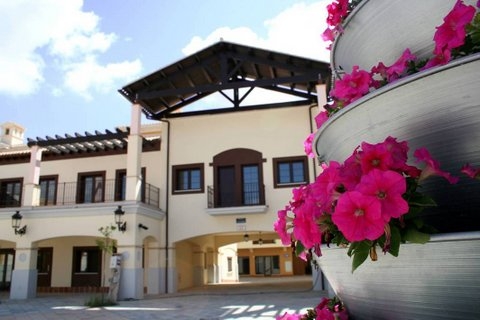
pixel 311 131
pixel 167 190
pixel 322 93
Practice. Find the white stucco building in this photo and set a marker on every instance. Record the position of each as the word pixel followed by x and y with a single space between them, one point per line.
pixel 198 191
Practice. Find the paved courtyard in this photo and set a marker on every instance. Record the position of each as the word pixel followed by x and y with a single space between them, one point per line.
pixel 263 298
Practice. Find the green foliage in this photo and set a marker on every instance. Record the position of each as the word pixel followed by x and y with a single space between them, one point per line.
pixel 472 39
pixel 106 243
pixel 473 30
pixel 360 251
pixel 415 236
pixel 395 240
pixel 100 300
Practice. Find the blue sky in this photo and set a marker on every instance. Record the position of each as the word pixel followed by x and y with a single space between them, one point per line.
pixel 63 61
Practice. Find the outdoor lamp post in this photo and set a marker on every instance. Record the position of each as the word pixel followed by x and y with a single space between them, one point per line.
pixel 16 221
pixel 122 225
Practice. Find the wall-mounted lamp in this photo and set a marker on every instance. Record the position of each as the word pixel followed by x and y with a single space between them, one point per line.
pixel 122 225
pixel 245 237
pixel 142 226
pixel 16 221
pixel 260 240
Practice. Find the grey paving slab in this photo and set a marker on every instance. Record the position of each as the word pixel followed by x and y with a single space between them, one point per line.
pixel 262 300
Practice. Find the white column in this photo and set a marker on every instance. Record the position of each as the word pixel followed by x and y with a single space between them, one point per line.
pixel 31 196
pixel 24 276
pixel 155 272
pixel 321 94
pixel 134 156
pixel 131 279
pixel 198 262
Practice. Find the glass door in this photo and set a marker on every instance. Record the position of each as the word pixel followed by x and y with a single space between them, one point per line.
pixel 7 258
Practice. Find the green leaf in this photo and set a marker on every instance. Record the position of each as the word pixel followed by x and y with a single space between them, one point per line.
pixel 473 29
pixel 395 240
pixel 360 253
pixel 415 236
pixel 299 248
pixel 418 199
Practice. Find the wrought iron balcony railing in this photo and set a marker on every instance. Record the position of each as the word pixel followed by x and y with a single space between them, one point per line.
pixel 67 193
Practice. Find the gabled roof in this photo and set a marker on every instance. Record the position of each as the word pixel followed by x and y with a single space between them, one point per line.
pixel 226 66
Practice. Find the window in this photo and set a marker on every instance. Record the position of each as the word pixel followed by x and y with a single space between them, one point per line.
pixel 11 192
pixel 251 188
pixel 229 264
pixel 86 267
pixel 120 185
pixel 244 265
pixel 91 187
pixel 238 178
pixel 291 171
pixel 188 178
pixel 267 265
pixel 48 190
pixel 87 259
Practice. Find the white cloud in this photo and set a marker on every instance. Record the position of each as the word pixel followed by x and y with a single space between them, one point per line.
pixel 35 32
pixel 297 30
pixel 89 76
pixel 242 35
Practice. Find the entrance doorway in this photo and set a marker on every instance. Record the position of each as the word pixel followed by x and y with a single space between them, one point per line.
pixel 44 267
pixel 7 259
pixel 267 265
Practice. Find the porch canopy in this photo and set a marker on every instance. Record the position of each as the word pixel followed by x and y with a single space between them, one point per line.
pixel 226 67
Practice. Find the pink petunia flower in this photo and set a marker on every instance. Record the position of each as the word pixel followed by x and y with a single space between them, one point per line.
pixel 375 156
pixel 320 118
pixel 432 166
pixel 306 228
pixel 328 35
pixel 280 226
pixel 451 34
pixel 307 144
pixel 324 191
pixel 399 157
pixel 352 86
pixel 388 187
pixel 351 172
pixel 337 11
pixel 438 60
pixel 359 217
pixel 397 69
pixel 289 316
pixel 470 171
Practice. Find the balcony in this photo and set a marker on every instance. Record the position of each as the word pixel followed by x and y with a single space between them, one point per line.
pixel 250 200
pixel 78 192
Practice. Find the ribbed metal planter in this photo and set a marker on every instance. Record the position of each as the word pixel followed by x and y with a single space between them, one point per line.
pixel 438 109
pixel 379 30
pixel 438 280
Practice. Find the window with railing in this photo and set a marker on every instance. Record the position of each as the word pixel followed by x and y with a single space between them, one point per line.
pixel 250 185
pixel 11 192
pixel 48 190
pixel 91 187
pixel 238 179
pixel 120 184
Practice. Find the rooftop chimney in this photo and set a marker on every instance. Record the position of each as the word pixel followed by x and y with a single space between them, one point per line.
pixel 11 135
